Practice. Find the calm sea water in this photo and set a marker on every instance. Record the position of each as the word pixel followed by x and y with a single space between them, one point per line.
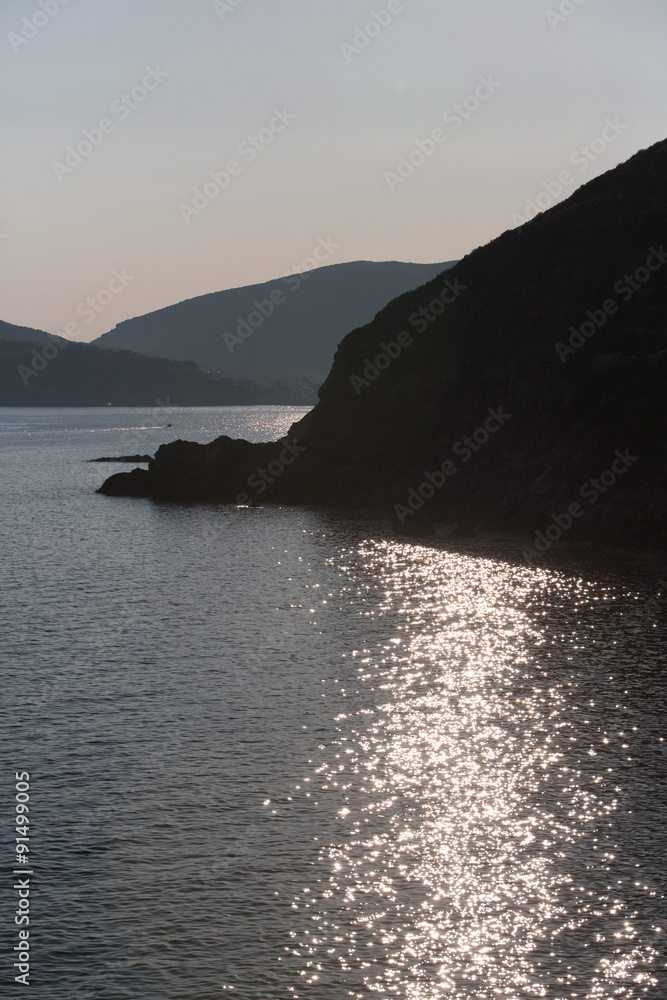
pixel 277 753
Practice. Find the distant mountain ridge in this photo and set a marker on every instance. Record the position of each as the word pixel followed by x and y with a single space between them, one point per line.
pixel 8 331
pixel 286 328
pixel 49 371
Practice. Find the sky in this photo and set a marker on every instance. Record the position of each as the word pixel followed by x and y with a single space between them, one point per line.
pixel 407 130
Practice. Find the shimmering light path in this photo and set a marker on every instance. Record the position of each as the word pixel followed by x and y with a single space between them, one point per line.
pixel 481 794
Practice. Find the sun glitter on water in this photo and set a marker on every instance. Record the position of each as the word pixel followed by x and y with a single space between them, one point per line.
pixel 468 809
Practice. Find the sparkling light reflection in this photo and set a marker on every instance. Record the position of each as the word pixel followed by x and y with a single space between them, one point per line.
pixel 474 858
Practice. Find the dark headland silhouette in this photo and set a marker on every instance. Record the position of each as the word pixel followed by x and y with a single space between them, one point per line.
pixel 524 389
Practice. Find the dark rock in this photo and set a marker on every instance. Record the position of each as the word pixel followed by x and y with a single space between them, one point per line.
pixel 128 484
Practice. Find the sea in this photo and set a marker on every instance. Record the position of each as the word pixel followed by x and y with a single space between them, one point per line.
pixel 280 753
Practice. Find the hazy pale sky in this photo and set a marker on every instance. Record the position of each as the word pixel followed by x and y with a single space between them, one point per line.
pixel 305 110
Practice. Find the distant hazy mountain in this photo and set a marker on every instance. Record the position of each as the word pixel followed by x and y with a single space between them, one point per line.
pixel 44 371
pixel 287 328
pixel 10 332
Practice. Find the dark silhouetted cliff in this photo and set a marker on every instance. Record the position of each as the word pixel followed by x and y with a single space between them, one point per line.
pixel 525 383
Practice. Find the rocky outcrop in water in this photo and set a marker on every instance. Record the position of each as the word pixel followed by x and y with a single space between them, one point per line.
pixel 522 390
